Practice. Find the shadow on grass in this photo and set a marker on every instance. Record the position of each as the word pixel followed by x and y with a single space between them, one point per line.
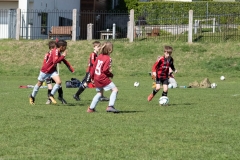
pixel 128 112
pixel 185 104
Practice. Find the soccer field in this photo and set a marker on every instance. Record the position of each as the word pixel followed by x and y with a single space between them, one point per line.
pixel 197 124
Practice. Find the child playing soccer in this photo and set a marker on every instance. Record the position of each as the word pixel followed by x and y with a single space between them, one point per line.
pixel 160 71
pixel 101 75
pixel 49 70
pixel 49 81
pixel 87 79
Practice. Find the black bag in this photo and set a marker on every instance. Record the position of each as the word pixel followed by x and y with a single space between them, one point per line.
pixel 73 83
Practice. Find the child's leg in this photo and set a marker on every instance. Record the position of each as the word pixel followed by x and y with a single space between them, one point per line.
pixel 36 88
pixel 113 97
pixel 154 92
pixel 60 92
pixel 81 88
pixel 95 100
pixel 57 85
pixel 165 90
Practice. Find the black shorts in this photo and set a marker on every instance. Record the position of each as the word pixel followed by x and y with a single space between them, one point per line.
pixel 50 80
pixel 162 81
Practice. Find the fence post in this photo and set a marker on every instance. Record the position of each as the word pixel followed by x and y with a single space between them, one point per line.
pixel 190 26
pixel 131 26
pixel 18 24
pixel 89 31
pixel 114 30
pixel 74 24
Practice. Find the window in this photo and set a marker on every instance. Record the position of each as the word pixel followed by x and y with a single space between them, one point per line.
pixel 65 21
pixel 44 19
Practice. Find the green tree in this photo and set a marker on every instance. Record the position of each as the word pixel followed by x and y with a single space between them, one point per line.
pixel 131 4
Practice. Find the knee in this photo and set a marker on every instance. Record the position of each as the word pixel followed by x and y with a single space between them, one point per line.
pixel 115 89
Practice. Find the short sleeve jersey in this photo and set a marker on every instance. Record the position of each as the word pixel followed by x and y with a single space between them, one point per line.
pixel 101 71
pixel 161 67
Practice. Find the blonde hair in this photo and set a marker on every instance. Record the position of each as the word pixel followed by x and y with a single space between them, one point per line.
pixel 106 48
pixel 168 49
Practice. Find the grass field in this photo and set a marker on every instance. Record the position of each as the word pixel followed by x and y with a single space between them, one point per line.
pixel 198 123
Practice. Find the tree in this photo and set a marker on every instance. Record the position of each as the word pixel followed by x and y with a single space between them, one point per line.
pixel 131 4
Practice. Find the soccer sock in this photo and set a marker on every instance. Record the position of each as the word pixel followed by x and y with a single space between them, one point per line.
pixel 113 97
pixel 155 92
pixel 55 88
pixel 80 90
pixel 164 93
pixel 49 92
pixel 60 92
pixel 95 100
pixel 35 90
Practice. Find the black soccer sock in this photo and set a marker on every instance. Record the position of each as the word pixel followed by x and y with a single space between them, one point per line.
pixel 49 92
pixel 80 90
pixel 60 92
pixel 164 94
pixel 155 92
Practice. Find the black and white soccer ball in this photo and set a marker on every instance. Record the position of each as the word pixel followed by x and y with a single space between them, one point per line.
pixel 164 100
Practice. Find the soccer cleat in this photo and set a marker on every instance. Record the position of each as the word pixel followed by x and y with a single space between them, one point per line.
pixel 104 98
pixel 150 97
pixel 62 100
pixel 52 99
pixel 49 101
pixel 76 97
pixel 111 109
pixel 31 100
pixel 89 110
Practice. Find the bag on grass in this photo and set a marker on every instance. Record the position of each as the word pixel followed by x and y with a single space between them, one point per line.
pixel 73 83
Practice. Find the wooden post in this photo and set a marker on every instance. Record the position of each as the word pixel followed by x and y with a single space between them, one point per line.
pixel 74 25
pixel 190 26
pixel 18 24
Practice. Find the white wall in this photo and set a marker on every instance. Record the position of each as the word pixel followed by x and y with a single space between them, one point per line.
pixel 49 6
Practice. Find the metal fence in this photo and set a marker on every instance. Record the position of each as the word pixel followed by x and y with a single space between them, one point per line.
pixel 39 24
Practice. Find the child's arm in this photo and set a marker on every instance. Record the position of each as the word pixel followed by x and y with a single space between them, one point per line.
pixel 68 65
pixel 56 58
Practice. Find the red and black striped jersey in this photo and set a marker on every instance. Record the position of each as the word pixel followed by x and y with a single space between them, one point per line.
pixel 161 67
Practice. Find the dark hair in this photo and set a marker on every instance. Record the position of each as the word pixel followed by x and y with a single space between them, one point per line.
pixel 168 49
pixel 51 44
pixel 96 43
pixel 61 43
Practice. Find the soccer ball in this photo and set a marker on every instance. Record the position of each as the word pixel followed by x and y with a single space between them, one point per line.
pixel 163 100
pixel 170 85
pixel 213 85
pixel 136 84
pixel 222 78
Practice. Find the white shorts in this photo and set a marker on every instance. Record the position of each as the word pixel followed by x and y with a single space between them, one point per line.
pixel 107 87
pixel 43 76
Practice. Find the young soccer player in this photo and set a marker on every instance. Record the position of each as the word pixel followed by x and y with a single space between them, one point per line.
pixel 49 81
pixel 101 75
pixel 87 79
pixel 49 70
pixel 160 71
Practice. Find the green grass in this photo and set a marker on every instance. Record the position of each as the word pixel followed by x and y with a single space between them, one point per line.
pixel 198 123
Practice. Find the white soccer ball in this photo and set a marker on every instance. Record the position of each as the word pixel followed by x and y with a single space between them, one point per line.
pixel 222 78
pixel 136 84
pixel 170 85
pixel 164 100
pixel 213 85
